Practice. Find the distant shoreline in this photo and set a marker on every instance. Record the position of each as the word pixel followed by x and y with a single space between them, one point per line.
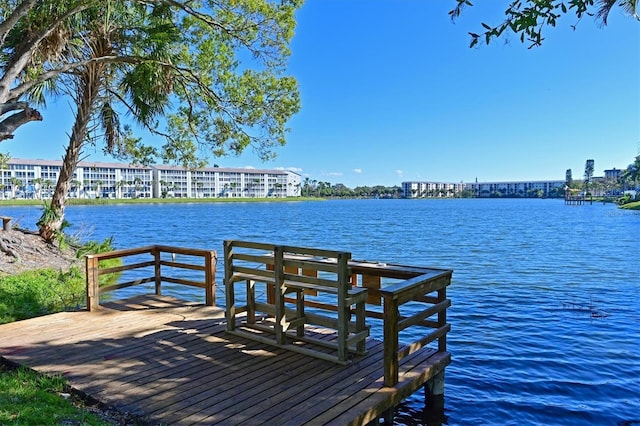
pixel 112 201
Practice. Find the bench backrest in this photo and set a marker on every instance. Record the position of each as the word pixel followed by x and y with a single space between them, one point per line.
pixel 284 263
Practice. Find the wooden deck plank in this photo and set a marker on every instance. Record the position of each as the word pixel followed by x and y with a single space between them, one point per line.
pixel 223 384
pixel 172 362
pixel 256 384
pixel 369 404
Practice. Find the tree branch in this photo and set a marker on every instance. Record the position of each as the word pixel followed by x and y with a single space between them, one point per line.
pixel 7 25
pixel 11 123
pixel 12 106
pixel 17 64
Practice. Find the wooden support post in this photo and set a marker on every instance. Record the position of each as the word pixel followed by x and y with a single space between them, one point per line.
pixel 251 302
pixel 210 278
pixel 373 282
pixel 434 393
pixel 6 223
pixel 281 315
pixel 361 346
pixel 344 310
pixel 229 290
pixel 442 320
pixel 391 317
pixel 388 416
pixel 158 273
pixel 93 283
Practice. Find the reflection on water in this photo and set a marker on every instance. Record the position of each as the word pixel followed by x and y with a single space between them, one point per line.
pixel 545 316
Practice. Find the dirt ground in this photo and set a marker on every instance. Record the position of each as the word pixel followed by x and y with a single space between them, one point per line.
pixel 22 251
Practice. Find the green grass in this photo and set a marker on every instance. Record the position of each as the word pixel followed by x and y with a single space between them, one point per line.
pixel 631 206
pixel 29 398
pixel 40 292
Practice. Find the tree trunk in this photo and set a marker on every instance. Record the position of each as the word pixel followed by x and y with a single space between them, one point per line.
pixel 88 87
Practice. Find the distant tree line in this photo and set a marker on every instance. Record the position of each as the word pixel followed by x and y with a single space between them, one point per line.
pixel 314 188
pixel 627 179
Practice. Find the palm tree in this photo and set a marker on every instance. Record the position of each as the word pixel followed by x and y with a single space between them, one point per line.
pixel 4 160
pixel 588 174
pixel 98 86
pixel 38 183
pixel 97 186
pixel 15 185
pixel 307 185
pixel 630 7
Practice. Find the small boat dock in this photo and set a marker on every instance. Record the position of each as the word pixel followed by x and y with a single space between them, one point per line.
pixel 175 362
pixel 577 200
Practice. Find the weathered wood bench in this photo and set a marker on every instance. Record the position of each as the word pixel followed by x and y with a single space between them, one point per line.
pixel 295 271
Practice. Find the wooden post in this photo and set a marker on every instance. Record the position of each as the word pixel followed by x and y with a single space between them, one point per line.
pixel 6 223
pixel 434 393
pixel 281 316
pixel 373 282
pixel 158 273
pixel 251 302
pixel 391 316
pixel 344 310
pixel 442 320
pixel 229 290
pixel 210 278
pixel 93 284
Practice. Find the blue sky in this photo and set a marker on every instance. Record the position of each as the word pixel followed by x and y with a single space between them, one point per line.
pixel 391 92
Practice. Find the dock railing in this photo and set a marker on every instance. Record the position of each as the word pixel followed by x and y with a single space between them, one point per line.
pixel 410 302
pixel 153 264
pixel 416 298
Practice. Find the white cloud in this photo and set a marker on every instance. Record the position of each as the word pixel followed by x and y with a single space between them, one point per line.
pixel 249 167
pixel 290 169
pixel 357 170
pixel 399 173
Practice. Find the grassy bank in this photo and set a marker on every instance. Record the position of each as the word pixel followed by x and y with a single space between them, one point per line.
pixel 40 292
pixel 631 206
pixel 27 397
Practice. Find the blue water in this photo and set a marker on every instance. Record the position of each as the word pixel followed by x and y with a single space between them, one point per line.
pixel 524 351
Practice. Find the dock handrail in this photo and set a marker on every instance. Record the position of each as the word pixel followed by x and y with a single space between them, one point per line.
pixel 94 270
pixel 416 285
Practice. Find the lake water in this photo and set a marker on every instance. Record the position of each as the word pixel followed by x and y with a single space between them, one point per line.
pixel 528 277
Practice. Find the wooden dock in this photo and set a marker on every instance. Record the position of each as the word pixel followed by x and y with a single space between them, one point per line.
pixel 172 362
pixel 577 200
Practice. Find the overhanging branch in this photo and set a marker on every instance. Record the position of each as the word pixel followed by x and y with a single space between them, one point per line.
pixel 9 125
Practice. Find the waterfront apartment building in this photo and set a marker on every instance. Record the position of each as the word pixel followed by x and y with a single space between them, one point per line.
pixel 24 178
pixel 544 188
pixel 612 174
pixel 424 189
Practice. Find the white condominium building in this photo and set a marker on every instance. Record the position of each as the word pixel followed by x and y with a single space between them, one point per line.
pixel 425 189
pixel 24 178
pixel 543 188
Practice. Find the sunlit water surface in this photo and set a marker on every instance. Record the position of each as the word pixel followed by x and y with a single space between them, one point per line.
pixel 524 351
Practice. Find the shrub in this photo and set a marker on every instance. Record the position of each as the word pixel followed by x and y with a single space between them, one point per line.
pixel 40 292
